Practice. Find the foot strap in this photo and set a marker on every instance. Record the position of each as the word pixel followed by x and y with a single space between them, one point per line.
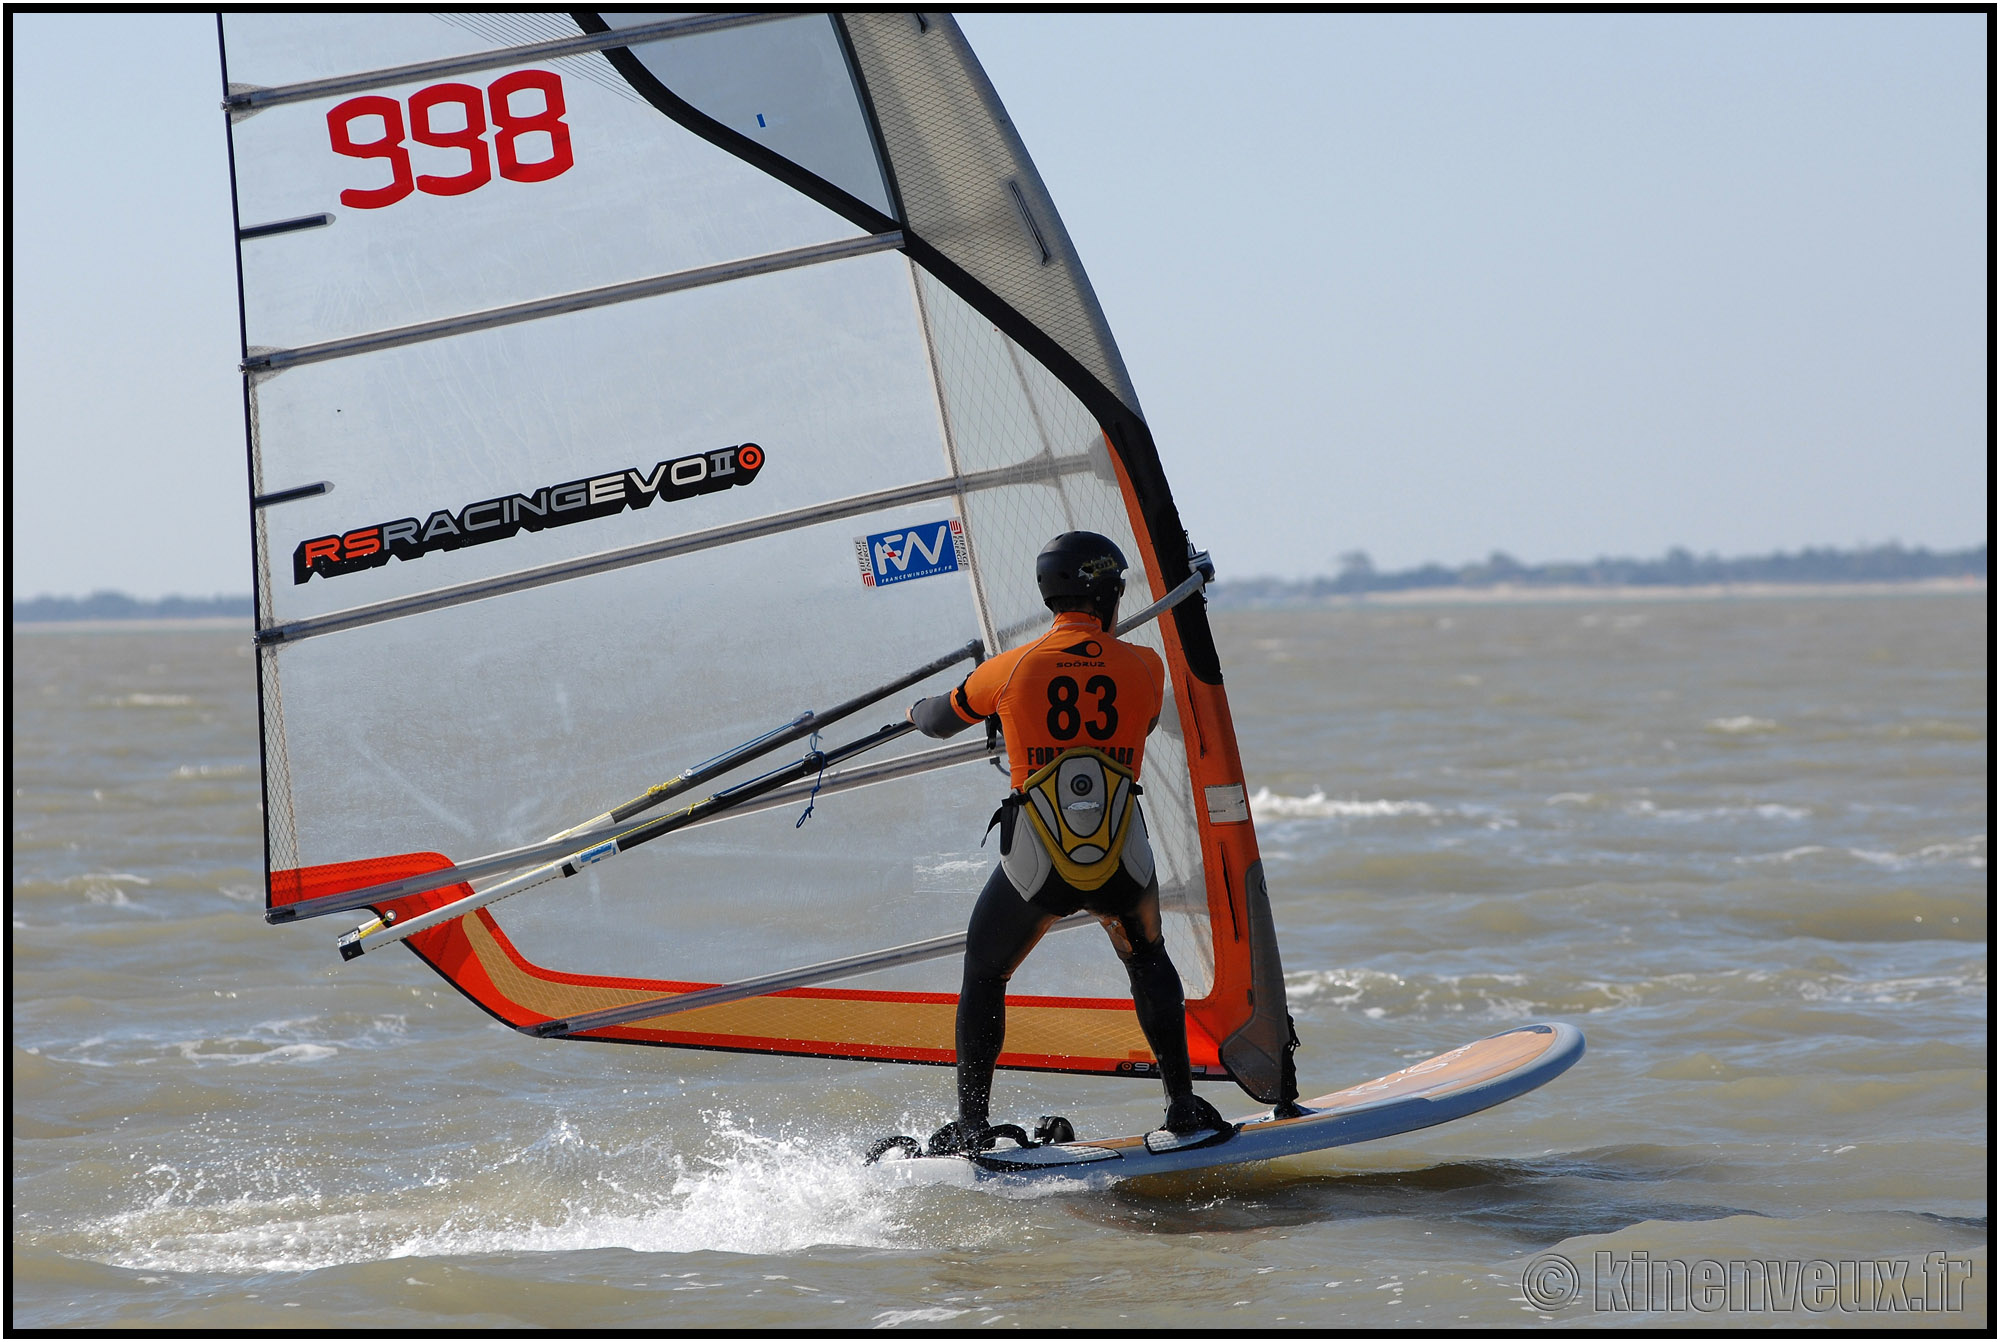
pixel 910 1146
pixel 954 1140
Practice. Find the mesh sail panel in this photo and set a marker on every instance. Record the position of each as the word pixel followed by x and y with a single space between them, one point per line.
pixel 784 85
pixel 1002 408
pixel 968 187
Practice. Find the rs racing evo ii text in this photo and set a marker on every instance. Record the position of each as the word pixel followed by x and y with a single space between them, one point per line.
pixel 500 518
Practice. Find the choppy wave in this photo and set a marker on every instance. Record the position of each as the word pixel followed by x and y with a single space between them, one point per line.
pixel 1381 994
pixel 1268 805
pixel 951 865
pixel 1377 993
pixel 1687 815
pixel 123 893
pixel 92 879
pixel 896 1318
pixel 1890 991
pixel 306 1039
pixel 1504 998
pixel 954 873
pixel 216 771
pixel 1741 726
pixel 1967 852
pixel 105 889
pixel 1645 808
pixel 153 700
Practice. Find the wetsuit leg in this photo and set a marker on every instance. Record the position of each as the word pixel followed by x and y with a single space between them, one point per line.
pixel 1004 928
pixel 1157 995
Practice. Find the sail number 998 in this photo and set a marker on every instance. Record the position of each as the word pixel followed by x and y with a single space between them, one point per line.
pixel 495 106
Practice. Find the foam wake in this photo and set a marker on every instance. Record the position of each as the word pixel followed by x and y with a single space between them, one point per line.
pixel 735 1190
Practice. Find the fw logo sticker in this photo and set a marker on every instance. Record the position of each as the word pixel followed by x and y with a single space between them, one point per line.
pixel 919 552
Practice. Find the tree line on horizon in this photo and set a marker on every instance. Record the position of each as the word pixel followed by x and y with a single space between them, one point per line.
pixel 1358 576
pixel 1678 568
pixel 118 606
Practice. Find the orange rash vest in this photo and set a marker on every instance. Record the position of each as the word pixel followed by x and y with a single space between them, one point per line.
pixel 1074 686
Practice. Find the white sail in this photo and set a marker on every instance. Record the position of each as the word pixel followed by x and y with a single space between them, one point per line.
pixel 642 357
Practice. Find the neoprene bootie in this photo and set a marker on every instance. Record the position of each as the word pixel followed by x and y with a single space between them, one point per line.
pixel 1191 1113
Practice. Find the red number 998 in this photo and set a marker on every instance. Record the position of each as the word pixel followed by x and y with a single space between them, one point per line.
pixel 508 126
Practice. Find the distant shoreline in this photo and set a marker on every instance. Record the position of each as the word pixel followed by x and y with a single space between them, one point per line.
pixel 1679 575
pixel 118 608
pixel 1881 570
pixel 182 624
pixel 1222 599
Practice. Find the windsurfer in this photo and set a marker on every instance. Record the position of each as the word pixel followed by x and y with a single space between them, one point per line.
pixel 1075 705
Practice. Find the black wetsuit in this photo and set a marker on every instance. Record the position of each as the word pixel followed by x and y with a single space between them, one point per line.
pixel 1005 927
pixel 1075 686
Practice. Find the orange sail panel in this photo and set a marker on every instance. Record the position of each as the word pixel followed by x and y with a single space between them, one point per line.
pixel 1044 1033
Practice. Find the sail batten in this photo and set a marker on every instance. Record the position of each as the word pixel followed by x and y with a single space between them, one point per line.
pixel 583 300
pixel 277 226
pixel 254 98
pixel 765 985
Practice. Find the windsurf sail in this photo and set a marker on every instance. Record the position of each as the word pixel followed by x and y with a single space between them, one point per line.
pixel 618 387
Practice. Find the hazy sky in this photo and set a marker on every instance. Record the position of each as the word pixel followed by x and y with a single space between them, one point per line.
pixel 1422 285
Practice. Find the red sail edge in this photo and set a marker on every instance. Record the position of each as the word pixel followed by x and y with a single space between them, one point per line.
pixel 294 885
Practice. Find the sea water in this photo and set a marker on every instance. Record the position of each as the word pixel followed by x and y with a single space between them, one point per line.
pixel 1741 843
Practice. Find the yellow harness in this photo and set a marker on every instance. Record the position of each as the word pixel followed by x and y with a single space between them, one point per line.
pixel 1080 804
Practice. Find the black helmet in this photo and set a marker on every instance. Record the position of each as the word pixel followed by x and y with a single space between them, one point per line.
pixel 1082 564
